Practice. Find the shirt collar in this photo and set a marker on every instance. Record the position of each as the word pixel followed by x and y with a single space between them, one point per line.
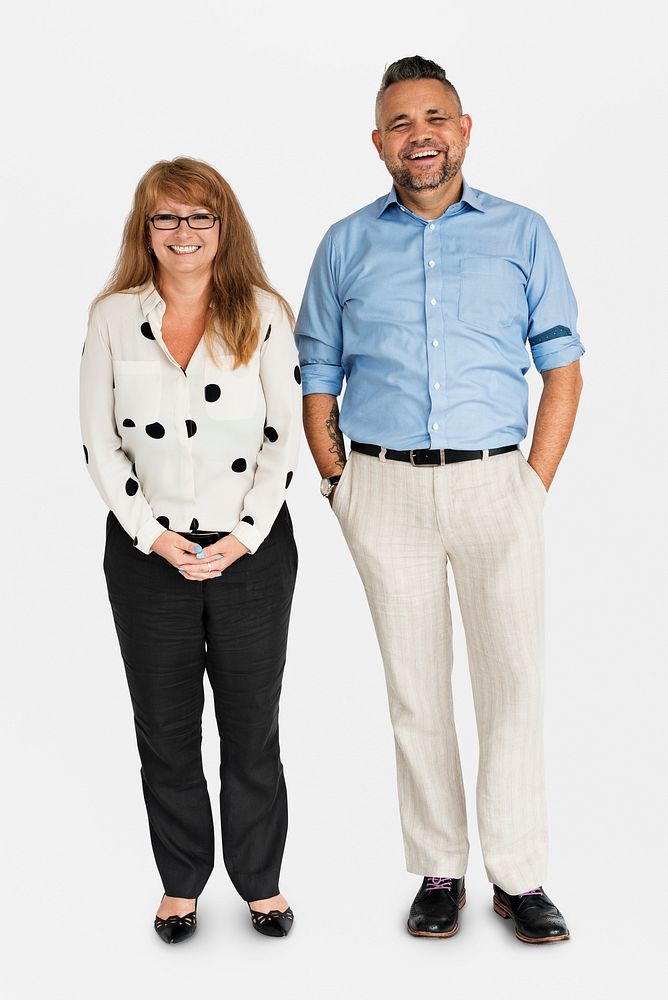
pixel 468 195
pixel 149 298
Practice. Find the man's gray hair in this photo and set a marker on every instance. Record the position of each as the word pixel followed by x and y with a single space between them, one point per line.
pixel 414 68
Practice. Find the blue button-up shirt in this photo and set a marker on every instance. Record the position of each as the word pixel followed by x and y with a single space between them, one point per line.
pixel 429 321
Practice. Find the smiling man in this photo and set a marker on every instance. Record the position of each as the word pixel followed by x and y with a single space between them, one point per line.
pixel 432 302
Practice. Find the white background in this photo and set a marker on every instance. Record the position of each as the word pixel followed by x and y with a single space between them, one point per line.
pixel 568 104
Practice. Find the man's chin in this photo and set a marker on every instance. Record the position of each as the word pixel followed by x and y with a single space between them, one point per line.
pixel 412 183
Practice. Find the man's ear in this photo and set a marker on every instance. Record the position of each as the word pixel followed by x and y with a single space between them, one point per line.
pixel 377 140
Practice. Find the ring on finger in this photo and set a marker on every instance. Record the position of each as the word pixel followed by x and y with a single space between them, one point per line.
pixel 208 567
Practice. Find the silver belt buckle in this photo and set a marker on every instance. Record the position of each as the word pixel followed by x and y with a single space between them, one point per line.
pixel 441 452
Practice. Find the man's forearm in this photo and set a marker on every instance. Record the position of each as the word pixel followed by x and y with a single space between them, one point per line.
pixel 554 419
pixel 321 426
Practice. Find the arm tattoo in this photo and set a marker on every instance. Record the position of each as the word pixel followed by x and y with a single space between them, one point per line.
pixel 337 448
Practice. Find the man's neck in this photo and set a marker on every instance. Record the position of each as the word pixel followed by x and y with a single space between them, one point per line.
pixel 432 202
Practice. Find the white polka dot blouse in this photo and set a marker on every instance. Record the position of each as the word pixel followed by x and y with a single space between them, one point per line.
pixel 206 448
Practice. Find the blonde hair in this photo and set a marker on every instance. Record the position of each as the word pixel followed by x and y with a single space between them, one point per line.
pixel 237 267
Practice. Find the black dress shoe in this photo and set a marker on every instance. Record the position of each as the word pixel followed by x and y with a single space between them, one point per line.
pixel 537 919
pixel 435 909
pixel 276 923
pixel 175 929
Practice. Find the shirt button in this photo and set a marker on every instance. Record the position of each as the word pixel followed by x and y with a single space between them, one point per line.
pixel 434 343
pixel 432 226
pixel 433 302
pixel 437 385
pixel 432 263
pixel 434 427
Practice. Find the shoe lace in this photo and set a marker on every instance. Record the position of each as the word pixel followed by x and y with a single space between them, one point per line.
pixel 434 882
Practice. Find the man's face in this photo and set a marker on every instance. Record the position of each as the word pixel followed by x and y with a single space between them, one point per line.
pixel 421 137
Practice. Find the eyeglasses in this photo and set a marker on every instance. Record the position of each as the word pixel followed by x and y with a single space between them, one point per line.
pixel 203 220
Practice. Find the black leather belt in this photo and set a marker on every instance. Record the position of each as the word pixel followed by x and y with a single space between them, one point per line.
pixel 203 538
pixel 428 456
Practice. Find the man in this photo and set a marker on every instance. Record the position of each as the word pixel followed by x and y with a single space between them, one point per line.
pixel 425 300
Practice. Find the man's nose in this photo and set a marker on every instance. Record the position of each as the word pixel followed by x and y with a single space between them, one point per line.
pixel 421 135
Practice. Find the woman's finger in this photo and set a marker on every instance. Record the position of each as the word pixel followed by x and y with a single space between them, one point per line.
pixel 196 564
pixel 207 569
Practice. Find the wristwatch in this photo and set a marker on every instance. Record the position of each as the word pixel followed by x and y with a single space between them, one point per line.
pixel 327 484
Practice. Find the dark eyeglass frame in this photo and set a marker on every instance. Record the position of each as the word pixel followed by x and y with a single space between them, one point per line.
pixel 182 218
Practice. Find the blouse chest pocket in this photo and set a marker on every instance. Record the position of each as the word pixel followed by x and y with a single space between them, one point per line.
pixel 137 393
pixel 491 292
pixel 231 393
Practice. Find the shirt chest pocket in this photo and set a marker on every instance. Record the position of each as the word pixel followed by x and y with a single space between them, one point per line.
pixel 137 393
pixel 491 292
pixel 231 393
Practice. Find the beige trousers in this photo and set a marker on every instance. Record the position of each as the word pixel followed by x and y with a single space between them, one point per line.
pixel 403 526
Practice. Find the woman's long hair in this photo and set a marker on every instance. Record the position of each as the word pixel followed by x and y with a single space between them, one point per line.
pixel 237 268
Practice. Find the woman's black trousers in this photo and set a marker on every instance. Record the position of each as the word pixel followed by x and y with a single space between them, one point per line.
pixel 234 627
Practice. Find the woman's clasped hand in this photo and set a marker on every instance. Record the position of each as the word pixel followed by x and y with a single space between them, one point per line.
pixel 192 561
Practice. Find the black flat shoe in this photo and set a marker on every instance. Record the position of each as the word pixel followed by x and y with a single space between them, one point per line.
pixel 175 929
pixel 537 919
pixel 435 909
pixel 276 923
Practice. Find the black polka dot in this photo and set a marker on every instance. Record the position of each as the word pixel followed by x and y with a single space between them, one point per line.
pixel 155 430
pixel 131 487
pixel 271 434
pixel 147 331
pixel 211 392
pixel 239 465
pixel 85 453
pixel 164 521
pixel 129 423
pixel 248 519
pixel 194 524
pixel 191 427
pixel 298 375
pixel 288 479
pixel 268 333
pixel 134 541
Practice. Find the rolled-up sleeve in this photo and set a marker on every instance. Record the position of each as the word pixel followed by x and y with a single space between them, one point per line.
pixel 552 329
pixel 319 329
pixel 109 467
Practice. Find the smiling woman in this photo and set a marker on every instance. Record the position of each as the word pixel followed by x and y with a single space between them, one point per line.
pixel 190 415
pixel 185 190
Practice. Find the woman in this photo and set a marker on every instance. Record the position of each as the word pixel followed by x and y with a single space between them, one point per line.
pixel 190 416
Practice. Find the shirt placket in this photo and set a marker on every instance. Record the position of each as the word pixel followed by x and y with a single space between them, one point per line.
pixel 433 281
pixel 180 384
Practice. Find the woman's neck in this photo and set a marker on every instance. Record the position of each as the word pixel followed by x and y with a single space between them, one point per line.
pixel 186 294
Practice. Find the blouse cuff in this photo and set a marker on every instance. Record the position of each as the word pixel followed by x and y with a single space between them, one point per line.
pixel 248 535
pixel 147 534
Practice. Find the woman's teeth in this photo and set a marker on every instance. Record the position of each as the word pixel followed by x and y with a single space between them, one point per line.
pixel 181 250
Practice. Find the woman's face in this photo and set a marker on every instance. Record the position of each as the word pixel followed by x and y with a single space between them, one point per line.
pixel 183 251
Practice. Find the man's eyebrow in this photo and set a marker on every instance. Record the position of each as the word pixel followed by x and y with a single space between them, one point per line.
pixel 397 118
pixel 430 111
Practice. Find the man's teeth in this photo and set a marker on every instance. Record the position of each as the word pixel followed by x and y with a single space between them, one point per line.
pixel 427 152
pixel 178 249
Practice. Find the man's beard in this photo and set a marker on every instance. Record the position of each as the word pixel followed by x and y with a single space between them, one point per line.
pixel 403 177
